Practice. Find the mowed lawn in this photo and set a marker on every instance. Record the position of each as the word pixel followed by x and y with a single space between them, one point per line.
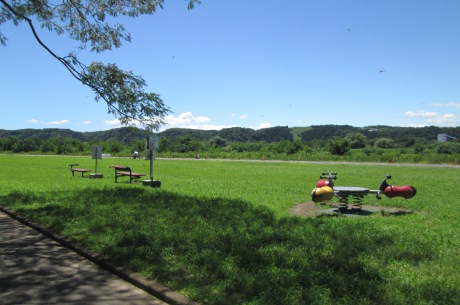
pixel 221 233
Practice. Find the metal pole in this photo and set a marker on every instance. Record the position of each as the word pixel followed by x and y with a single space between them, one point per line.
pixel 151 164
pixel 97 154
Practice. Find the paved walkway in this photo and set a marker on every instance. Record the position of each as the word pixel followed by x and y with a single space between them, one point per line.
pixel 35 269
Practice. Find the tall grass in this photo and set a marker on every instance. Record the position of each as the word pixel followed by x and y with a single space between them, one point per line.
pixel 220 231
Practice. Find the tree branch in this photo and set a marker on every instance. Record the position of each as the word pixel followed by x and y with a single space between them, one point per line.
pixel 72 70
pixel 122 91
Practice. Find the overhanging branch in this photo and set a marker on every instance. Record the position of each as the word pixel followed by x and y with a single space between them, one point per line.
pixel 64 60
pixel 122 91
pixel 19 16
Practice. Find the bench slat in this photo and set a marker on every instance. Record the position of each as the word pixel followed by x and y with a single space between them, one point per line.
pixel 129 174
pixel 80 170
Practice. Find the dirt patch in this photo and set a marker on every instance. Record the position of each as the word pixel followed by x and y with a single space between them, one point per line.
pixel 312 209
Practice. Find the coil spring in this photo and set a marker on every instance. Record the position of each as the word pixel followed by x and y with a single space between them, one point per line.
pixel 355 199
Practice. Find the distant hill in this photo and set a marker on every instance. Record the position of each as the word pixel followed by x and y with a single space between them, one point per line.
pixel 297 132
pixel 234 134
pixel 125 134
pixel 429 133
pixel 238 134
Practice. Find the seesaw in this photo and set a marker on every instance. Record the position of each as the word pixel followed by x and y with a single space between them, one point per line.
pixel 325 190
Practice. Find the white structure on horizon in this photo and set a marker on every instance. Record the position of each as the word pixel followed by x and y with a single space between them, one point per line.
pixel 442 137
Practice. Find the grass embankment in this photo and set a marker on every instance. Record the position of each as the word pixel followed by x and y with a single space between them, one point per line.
pixel 220 231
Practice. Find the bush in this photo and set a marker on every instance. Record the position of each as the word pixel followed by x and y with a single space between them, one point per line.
pixel 384 143
pixel 448 148
pixel 339 146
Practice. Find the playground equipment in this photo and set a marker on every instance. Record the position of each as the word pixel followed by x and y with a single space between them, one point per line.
pixel 325 190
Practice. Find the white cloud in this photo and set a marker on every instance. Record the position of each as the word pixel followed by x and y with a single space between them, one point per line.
pixel 434 118
pixel 87 122
pixel 188 120
pixel 446 105
pixel 241 117
pixel 445 119
pixel 453 105
pixel 115 123
pixel 60 122
pixel 262 126
pixel 33 121
pixel 184 120
pixel 417 125
pixel 112 123
pixel 420 113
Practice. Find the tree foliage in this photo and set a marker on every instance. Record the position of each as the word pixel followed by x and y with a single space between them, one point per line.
pixel 185 144
pixel 357 140
pixel 218 142
pixel 339 146
pixel 384 143
pixel 448 148
pixel 273 134
pixel 233 134
pixel 87 21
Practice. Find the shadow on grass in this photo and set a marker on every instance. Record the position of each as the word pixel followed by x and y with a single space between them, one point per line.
pixel 223 251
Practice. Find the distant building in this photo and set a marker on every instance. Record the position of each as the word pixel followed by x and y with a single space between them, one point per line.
pixel 442 137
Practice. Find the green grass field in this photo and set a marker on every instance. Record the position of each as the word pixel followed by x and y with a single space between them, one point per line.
pixel 220 231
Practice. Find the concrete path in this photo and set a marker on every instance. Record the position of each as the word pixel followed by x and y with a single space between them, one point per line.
pixel 35 269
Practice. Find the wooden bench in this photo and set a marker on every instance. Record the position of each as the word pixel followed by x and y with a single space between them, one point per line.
pixel 125 171
pixel 76 169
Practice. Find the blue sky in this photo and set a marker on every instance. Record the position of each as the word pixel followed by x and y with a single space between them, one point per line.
pixel 256 64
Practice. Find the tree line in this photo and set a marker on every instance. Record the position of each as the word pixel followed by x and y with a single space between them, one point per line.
pixel 281 142
pixel 403 136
